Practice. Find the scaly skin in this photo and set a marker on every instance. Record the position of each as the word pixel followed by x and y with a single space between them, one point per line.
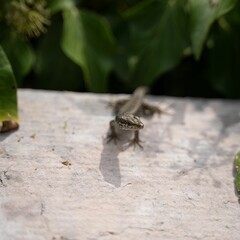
pixel 127 119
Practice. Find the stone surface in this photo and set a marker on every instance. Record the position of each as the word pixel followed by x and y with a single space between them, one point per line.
pixel 179 187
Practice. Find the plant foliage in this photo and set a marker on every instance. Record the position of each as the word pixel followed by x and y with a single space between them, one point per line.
pixel 177 47
pixel 8 96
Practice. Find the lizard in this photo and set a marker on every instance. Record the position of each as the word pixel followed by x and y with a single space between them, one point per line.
pixel 127 115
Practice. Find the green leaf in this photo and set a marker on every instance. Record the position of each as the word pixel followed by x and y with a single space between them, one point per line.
pixel 20 55
pixel 237 173
pixel 203 14
pixel 53 69
pixel 159 36
pixel 123 50
pixel 224 62
pixel 87 40
pixel 60 5
pixel 8 95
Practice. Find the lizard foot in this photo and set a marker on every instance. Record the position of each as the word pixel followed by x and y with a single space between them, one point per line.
pixel 135 141
pixel 113 137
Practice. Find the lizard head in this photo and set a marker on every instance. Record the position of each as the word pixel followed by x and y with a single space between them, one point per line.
pixel 128 121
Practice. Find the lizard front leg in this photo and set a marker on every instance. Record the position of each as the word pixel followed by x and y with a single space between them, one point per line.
pixel 113 134
pixel 136 140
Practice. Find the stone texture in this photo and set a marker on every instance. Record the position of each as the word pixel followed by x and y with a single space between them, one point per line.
pixel 179 187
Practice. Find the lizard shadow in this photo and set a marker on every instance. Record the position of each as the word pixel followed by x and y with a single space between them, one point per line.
pixel 109 162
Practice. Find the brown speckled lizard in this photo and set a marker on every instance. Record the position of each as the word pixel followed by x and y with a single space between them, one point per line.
pixel 127 115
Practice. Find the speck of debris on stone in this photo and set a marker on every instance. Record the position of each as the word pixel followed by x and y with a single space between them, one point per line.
pixel 33 135
pixel 67 163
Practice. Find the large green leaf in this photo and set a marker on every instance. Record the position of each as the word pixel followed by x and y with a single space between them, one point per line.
pixel 88 41
pixel 224 62
pixel 8 95
pixel 20 55
pixel 203 14
pixel 59 5
pixel 53 69
pixel 159 36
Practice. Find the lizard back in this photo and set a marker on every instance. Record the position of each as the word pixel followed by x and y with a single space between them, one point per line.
pixel 135 101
